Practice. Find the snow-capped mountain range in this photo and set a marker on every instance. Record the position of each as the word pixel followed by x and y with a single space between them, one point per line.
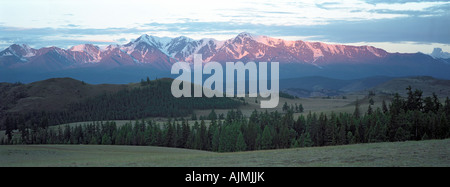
pixel 161 52
pixel 151 49
pixel 248 47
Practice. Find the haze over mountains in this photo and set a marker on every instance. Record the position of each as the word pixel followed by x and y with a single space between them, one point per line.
pixel 153 56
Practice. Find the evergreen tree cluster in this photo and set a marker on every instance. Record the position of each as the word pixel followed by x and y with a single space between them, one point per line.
pixel 403 119
pixel 293 108
pixel 286 95
pixel 153 99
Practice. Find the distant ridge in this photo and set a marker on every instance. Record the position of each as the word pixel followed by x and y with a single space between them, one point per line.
pixel 153 56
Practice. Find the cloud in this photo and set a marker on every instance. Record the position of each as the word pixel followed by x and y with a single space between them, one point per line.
pixel 72 25
pixel 324 20
pixel 63 37
pixel 121 40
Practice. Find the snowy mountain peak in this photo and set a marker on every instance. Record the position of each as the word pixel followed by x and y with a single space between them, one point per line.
pixel 183 38
pixel 245 35
pixel 438 53
pixel 19 51
pixel 158 42
pixel 244 47
pixel 269 41
pixel 84 48
pixel 143 38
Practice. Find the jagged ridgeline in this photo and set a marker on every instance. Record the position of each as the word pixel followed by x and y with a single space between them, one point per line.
pixel 132 101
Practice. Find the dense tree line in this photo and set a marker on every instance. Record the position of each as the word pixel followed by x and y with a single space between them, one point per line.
pixel 296 108
pixel 152 98
pixel 411 118
pixel 286 95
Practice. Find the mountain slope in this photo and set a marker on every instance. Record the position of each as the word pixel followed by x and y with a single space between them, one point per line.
pixel 51 94
pixel 428 85
pixel 156 55
pixel 323 86
pixel 244 47
pixel 65 100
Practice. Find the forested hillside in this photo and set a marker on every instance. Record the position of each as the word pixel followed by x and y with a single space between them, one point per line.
pixel 410 118
pixel 149 99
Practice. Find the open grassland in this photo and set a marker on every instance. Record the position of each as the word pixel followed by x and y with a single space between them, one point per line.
pixel 412 153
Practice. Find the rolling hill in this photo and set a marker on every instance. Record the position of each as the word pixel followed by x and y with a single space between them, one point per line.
pixel 62 100
pixel 390 154
pixel 315 86
pixel 323 86
pixel 428 85
pixel 51 94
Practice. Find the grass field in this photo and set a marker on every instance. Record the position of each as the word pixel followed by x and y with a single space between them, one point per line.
pixel 412 153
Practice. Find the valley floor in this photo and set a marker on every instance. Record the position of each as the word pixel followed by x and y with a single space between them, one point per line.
pixel 411 153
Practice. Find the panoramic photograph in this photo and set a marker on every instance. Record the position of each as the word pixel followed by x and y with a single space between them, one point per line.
pixel 324 83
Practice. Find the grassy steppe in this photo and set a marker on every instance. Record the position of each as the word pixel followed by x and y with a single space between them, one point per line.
pixel 411 153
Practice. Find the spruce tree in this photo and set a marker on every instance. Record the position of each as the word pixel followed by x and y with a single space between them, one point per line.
pixel 170 135
pixel 384 107
pixel 215 142
pixel 437 104
pixel 369 110
pixel 285 107
pixel 307 142
pixel 194 116
pixel 447 106
pixel 266 139
pixel 240 143
pixel 356 112
pixel 212 115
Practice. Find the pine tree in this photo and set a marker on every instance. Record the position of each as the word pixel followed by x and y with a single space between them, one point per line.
pixel 443 127
pixel 447 106
pixel 351 139
pixel 251 134
pixel 215 142
pixel 437 104
pixel 384 107
pixel 307 142
pixel 221 116
pixel 356 113
pixel 240 143
pixel 212 115
pixel 9 123
pixel 106 140
pixel 185 134
pixel 342 136
pixel 428 105
pixel 266 139
pixel 401 134
pixel 300 125
pixel 205 143
pixel 285 107
pixel 369 110
pixel 194 116
pixel 170 135
pixel 44 122
pixel 414 100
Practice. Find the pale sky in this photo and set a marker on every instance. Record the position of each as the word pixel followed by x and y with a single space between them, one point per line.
pixel 394 25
